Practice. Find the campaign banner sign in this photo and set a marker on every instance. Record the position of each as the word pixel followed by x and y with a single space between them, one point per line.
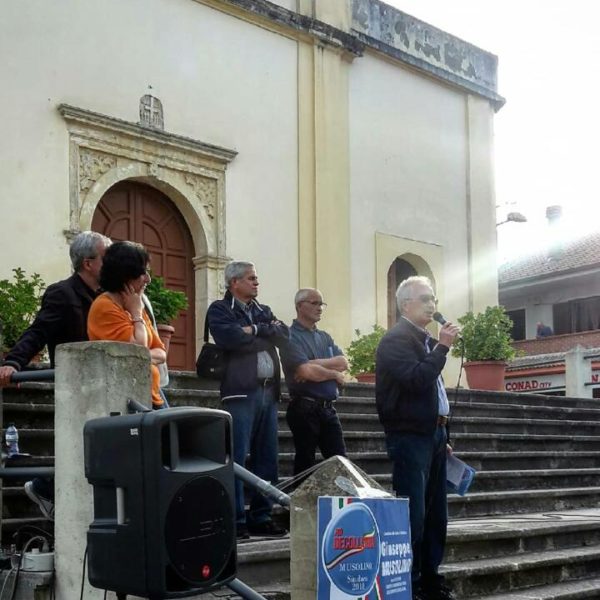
pixel 363 548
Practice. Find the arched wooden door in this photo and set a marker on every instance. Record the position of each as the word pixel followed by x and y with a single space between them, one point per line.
pixel 134 211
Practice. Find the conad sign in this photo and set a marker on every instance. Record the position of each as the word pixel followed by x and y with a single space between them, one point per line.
pixel 535 383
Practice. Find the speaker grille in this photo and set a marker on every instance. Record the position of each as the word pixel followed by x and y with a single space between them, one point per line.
pixel 199 530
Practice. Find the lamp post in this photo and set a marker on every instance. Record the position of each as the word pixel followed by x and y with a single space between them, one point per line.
pixel 513 217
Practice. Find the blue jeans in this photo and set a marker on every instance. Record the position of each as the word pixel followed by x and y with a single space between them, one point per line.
pixel 420 475
pixel 255 433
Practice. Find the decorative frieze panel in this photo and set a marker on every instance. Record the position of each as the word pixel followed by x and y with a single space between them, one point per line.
pixel 205 190
pixel 92 165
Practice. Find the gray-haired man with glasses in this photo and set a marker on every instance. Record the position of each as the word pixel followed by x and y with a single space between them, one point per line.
pixel 413 409
pixel 313 367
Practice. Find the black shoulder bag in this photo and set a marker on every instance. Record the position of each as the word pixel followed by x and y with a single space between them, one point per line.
pixel 210 363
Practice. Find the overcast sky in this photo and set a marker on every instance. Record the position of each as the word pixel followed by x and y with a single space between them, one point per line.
pixel 547 133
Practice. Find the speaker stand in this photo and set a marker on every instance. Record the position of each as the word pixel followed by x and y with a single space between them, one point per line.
pixel 245 591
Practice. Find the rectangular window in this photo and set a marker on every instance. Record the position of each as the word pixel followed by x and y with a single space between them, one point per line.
pixel 582 314
pixel 518 319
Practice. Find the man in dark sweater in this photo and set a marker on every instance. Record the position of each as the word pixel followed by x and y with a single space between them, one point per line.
pixel 62 318
pixel 413 409
pixel 250 389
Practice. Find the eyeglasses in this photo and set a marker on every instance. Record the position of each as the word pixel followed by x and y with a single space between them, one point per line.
pixel 315 303
pixel 425 298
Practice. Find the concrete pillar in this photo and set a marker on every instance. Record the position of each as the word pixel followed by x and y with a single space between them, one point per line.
pixel 578 372
pixel 336 476
pixel 93 379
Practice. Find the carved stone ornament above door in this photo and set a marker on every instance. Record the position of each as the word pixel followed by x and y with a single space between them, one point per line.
pixel 104 150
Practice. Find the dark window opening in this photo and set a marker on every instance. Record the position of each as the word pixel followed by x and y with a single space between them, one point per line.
pixel 518 319
pixel 582 314
pixel 397 273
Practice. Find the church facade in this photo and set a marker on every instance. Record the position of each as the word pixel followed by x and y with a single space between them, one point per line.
pixel 341 145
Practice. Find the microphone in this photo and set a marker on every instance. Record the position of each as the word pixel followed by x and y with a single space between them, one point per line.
pixel 439 317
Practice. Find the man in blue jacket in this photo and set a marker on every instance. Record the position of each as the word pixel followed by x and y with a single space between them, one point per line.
pixel 250 388
pixel 413 409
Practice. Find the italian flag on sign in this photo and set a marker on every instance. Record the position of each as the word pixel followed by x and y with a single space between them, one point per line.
pixel 363 549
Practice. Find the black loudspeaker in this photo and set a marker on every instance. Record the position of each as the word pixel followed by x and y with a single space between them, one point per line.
pixel 164 509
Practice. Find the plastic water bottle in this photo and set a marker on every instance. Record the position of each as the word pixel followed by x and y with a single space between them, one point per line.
pixel 11 438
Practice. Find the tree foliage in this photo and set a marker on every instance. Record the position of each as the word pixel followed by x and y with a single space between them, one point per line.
pixel 20 300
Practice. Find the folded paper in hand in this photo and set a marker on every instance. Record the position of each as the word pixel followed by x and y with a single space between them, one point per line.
pixel 459 475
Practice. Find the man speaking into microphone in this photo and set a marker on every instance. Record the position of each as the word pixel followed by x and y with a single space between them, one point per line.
pixel 413 409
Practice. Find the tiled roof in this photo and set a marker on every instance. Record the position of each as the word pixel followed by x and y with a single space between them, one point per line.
pixel 575 254
pixel 544 360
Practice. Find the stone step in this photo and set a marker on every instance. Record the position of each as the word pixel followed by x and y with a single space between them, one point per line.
pixel 508 502
pixel 37 442
pixel 188 379
pixel 504 442
pixel 570 590
pixel 29 415
pixel 16 505
pixel 378 462
pixel 520 399
pixel 373 441
pixel 522 411
pixel 37 392
pixel 471 542
pixel 33 415
pixel 470 424
pixel 11 526
pixel 485 577
pixel 505 406
pixel 492 481
pixel 511 535
pixel 262 562
pixel 536 459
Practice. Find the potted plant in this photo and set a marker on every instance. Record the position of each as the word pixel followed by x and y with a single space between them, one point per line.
pixel 486 343
pixel 20 300
pixel 166 305
pixel 361 354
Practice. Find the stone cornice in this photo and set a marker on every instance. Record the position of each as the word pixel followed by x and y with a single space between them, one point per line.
pixel 290 20
pixel 89 118
pixel 396 34
pixel 386 30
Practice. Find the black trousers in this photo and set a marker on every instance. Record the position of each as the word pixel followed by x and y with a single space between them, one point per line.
pixel 313 425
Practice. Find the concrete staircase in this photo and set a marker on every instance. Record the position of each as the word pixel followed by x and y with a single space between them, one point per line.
pixel 528 529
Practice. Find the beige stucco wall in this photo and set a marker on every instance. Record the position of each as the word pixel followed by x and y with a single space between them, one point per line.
pixel 343 161
pixel 408 164
pixel 220 80
pixel 411 189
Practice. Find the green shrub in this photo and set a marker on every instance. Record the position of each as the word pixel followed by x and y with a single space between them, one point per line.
pixel 486 335
pixel 166 303
pixel 20 300
pixel 361 351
